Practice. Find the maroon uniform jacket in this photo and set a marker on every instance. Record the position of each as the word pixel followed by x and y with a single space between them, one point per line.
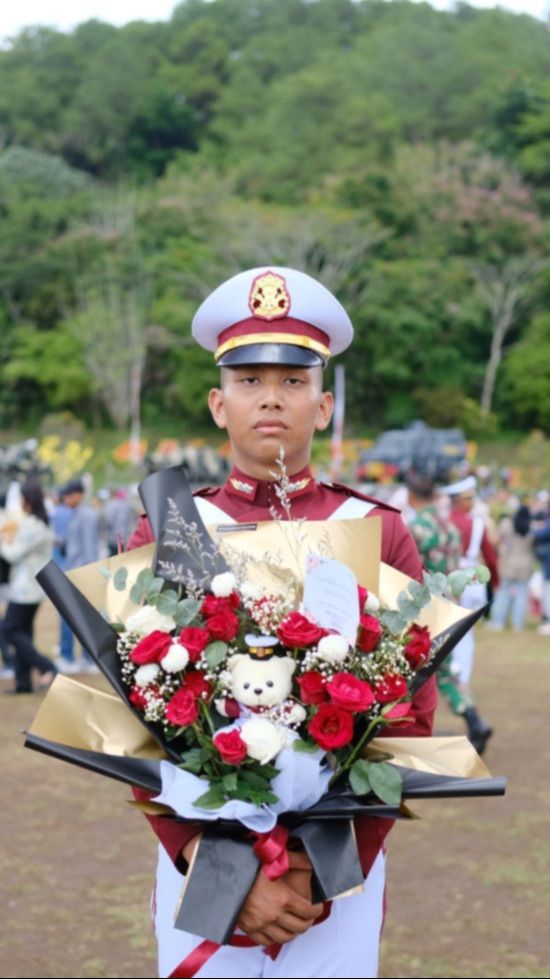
pixel 464 522
pixel 249 500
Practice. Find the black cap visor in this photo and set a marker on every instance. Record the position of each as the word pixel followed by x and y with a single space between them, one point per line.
pixel 286 354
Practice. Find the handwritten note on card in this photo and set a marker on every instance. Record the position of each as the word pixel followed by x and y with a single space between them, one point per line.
pixel 330 596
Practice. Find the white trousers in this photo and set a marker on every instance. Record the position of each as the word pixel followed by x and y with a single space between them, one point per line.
pixel 462 655
pixel 346 944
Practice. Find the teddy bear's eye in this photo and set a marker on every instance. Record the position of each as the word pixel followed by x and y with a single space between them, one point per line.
pixel 269 683
pixel 246 686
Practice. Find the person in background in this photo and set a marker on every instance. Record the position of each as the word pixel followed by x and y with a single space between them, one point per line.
pixel 27 546
pixel 439 546
pixel 477 548
pixel 119 519
pixel 60 521
pixel 82 547
pixel 541 540
pixel 516 561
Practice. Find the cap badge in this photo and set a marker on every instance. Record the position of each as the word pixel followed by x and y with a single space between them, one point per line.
pixel 269 298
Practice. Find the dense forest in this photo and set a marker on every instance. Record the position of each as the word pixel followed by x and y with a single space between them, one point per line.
pixel 400 154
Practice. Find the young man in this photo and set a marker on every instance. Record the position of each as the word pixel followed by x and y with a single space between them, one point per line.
pixel 272 331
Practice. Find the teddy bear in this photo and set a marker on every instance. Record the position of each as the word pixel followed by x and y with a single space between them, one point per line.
pixel 260 682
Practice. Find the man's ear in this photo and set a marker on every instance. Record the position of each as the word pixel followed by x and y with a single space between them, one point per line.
pixel 217 409
pixel 324 412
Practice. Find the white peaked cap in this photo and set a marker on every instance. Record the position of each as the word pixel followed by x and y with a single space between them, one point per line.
pixel 272 314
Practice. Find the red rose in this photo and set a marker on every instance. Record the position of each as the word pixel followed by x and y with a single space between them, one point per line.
pixel 349 692
pixel 182 710
pixel 296 630
pixel 391 687
pixel 197 683
pixel 418 646
pixel 212 605
pixel 370 631
pixel 312 687
pixel 195 640
pixel 331 727
pixel 224 625
pixel 231 747
pixel 400 713
pixel 152 648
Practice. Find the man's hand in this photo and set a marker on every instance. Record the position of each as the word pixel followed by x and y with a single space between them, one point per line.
pixel 278 910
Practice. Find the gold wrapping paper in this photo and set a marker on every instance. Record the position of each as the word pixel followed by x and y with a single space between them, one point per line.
pixel 277 563
pixel 83 716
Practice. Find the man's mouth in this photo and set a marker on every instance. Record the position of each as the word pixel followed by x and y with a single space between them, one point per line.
pixel 269 426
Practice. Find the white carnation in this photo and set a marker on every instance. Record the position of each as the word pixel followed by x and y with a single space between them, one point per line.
pixel 333 649
pixel 372 604
pixel 176 658
pixel 263 739
pixel 148 619
pixel 223 584
pixel 146 674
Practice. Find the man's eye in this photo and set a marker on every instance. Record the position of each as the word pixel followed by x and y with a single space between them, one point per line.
pixel 294 381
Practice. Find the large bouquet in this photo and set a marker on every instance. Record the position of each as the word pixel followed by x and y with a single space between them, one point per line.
pixel 259 684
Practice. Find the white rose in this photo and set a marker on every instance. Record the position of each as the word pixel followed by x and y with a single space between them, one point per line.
pixel 263 739
pixel 148 619
pixel 333 649
pixel 146 674
pixel 176 658
pixel 372 604
pixel 223 584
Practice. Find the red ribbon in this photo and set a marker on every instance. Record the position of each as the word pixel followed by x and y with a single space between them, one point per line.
pixel 271 850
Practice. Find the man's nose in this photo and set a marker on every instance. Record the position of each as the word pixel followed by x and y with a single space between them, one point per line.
pixel 271 397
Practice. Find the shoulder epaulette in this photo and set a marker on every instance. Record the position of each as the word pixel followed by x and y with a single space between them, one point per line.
pixel 349 491
pixel 206 491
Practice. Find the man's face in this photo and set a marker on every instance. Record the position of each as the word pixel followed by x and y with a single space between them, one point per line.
pixel 266 407
pixel 465 502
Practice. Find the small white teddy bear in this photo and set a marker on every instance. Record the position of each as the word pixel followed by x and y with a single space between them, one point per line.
pixel 262 682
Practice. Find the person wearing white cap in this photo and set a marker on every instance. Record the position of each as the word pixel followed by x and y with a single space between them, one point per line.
pixel 271 331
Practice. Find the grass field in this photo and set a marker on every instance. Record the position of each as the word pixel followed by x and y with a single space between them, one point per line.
pixel 469 882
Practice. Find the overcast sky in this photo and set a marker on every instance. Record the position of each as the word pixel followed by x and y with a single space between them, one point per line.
pixel 65 14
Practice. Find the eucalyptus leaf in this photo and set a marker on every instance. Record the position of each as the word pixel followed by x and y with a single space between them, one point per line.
pixel 186 611
pixel 394 621
pixel 457 582
pixel 166 602
pixel 482 574
pixel 104 572
pixel 120 579
pixel 386 782
pixel 155 587
pixel 215 653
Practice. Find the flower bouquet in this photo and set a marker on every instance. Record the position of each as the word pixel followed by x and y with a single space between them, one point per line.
pixel 262 684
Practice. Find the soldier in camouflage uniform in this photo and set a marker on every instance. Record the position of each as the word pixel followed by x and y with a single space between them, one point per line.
pixel 439 545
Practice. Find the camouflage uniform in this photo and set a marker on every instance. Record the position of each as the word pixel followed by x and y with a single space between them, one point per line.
pixel 440 549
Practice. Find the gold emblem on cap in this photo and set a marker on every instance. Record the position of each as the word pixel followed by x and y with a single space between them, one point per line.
pixel 269 298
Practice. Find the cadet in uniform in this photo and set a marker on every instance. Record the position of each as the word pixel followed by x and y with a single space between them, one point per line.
pixel 272 331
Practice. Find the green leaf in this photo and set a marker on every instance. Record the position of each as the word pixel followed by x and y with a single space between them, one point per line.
pixel 141 586
pixel 230 782
pixel 104 572
pixel 307 746
pixel 457 582
pixel 186 611
pixel 215 653
pixel 155 587
pixel 437 583
pixel 120 579
pixel 386 782
pixel 213 799
pixel 359 777
pixel 166 602
pixel 407 606
pixel 394 621
pixel 192 761
pixel 253 779
pixel 482 574
pixel 420 593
